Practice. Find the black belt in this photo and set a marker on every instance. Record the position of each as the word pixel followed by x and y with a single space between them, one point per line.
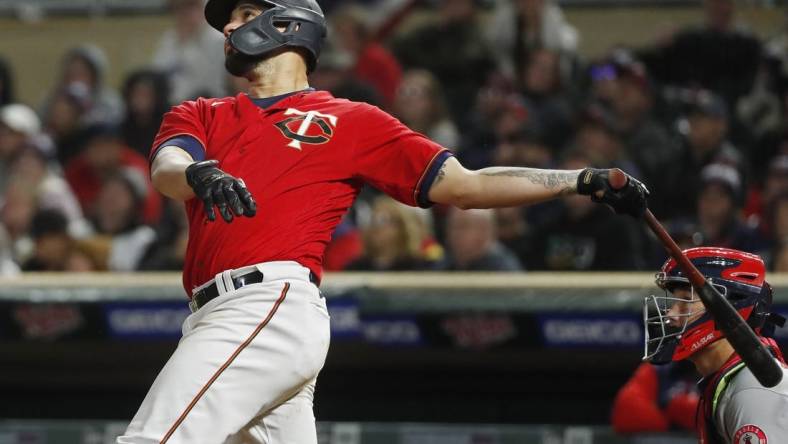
pixel 204 295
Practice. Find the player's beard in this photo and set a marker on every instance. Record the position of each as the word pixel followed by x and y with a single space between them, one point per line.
pixel 239 64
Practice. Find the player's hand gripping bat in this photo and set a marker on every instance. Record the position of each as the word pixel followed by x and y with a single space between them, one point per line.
pixel 743 339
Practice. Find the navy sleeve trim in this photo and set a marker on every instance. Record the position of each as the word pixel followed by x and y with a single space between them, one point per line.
pixel 190 144
pixel 422 194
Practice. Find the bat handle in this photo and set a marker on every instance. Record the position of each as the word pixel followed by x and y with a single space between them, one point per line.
pixel 695 277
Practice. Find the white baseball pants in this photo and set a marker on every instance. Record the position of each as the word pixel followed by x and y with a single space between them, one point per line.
pixel 245 369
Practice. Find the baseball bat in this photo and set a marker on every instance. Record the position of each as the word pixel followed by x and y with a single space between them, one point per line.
pixel 741 337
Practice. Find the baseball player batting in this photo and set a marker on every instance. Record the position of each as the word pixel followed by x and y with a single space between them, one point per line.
pixel 734 408
pixel 281 166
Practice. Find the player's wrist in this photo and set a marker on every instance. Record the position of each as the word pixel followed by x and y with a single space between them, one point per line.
pixel 589 181
pixel 196 170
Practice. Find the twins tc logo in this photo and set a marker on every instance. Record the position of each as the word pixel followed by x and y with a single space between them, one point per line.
pixel 307 127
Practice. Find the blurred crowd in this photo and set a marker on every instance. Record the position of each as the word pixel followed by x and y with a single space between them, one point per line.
pixel 700 116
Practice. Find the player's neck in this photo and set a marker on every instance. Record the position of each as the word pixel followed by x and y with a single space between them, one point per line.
pixel 278 75
pixel 709 360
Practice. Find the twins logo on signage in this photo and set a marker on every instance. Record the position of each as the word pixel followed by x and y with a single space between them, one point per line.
pixel 309 127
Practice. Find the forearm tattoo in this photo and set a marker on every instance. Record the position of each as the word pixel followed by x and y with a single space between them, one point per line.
pixel 563 181
pixel 441 174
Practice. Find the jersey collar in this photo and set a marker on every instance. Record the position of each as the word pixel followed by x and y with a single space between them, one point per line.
pixel 308 96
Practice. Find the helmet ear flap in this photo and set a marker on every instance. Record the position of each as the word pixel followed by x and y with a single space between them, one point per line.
pixel 762 316
pixel 760 311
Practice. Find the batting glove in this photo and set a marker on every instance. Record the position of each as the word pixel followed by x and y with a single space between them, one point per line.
pixel 630 199
pixel 217 188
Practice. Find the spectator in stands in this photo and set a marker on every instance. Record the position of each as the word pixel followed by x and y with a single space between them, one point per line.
pixel 146 94
pixel 759 116
pixel 372 63
pixel 704 128
pixel 776 182
pixel 777 58
pixel 6 83
pixel 525 147
pixel 191 54
pixel 597 139
pixel 779 260
pixel 581 236
pixel 85 67
pixel 718 55
pixel 18 207
pixel 421 106
pixel 492 102
pixel 504 130
pixel 546 98
pixel 763 192
pixel 169 249
pixel 472 242
pixel 657 399
pixel 64 121
pixel 719 211
pixel 397 238
pixel 117 215
pixel 104 156
pixel 518 27
pixel 770 131
pixel 622 81
pixel 86 255
pixel 346 246
pixel 778 232
pixel 52 243
pixel 50 189
pixel 7 265
pixel 334 74
pixel 452 48
pixel 19 127
pixel 512 230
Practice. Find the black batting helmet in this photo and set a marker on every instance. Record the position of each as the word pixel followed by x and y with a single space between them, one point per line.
pixel 305 27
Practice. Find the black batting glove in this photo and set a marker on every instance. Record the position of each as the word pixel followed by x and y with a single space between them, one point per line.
pixel 216 188
pixel 630 199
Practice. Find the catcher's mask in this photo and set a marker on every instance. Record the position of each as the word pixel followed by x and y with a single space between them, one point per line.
pixel 677 324
pixel 303 20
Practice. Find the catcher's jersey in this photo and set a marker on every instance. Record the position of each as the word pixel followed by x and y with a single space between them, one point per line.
pixel 304 159
pixel 748 413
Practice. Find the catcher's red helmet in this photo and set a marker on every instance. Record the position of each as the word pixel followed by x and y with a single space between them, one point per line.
pixel 740 278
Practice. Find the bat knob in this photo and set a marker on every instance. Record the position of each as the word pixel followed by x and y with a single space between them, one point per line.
pixel 617 179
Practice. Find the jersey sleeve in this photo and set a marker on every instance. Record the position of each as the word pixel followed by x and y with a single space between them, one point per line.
pixel 395 159
pixel 183 126
pixel 755 411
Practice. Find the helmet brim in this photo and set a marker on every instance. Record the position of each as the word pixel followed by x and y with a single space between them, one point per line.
pixel 218 12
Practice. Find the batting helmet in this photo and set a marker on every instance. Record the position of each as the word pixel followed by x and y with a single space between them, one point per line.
pixel 303 20
pixel 738 276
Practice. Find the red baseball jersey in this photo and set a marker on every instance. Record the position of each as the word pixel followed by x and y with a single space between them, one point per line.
pixel 304 159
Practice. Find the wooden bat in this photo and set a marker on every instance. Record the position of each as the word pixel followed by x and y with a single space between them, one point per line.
pixel 743 339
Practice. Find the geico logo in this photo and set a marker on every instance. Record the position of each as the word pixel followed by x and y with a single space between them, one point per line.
pixel 130 321
pixel 583 331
